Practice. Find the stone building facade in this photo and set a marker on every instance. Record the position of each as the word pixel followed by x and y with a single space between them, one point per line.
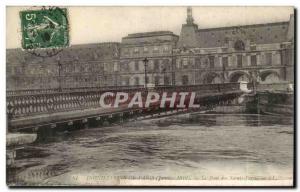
pixel 259 52
pixel 157 48
pixel 90 65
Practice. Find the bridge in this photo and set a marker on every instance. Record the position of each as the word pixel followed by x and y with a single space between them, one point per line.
pixel 32 110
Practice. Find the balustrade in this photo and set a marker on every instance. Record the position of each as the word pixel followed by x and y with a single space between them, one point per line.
pixel 36 102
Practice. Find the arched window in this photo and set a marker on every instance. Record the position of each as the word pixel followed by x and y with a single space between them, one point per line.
pixel 137 81
pixel 156 64
pixel 239 45
pixel 185 80
pixel 156 80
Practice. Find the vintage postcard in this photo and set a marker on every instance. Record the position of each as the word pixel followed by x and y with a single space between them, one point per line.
pixel 150 96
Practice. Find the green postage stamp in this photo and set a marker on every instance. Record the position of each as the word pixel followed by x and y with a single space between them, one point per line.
pixel 44 28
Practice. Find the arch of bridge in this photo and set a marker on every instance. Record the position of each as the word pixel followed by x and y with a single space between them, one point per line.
pixel 269 76
pixel 211 77
pixel 237 76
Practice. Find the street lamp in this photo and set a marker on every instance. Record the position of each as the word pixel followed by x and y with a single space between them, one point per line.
pixel 223 70
pixel 59 73
pixel 254 77
pixel 164 73
pixel 145 66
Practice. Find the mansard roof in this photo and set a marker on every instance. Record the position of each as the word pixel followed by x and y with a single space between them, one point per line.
pixel 95 51
pixel 257 33
pixel 154 37
pixel 82 52
pixel 149 34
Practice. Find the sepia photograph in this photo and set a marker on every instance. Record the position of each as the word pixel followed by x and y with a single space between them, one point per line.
pixel 194 96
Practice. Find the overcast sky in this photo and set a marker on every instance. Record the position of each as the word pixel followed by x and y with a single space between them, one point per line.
pixel 102 24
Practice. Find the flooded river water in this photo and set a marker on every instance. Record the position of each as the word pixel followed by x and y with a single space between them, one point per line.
pixel 188 146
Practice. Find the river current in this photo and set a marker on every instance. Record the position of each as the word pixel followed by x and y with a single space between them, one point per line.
pixel 187 146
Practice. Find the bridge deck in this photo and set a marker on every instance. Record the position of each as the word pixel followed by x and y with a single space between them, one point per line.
pixel 79 114
pixel 64 116
pixel 34 108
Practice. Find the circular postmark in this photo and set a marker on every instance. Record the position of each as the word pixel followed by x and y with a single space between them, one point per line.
pixel 45 30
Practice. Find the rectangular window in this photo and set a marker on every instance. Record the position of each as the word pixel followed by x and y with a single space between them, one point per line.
pixel 157 78
pixel 185 80
pixel 191 61
pixel 185 63
pixel 136 65
pixel 126 67
pixel 145 49
pixel 104 67
pixel 155 50
pixel 198 62
pixel 239 60
pixel 126 81
pixel 166 65
pixel 178 63
pixel 126 51
pixel 166 48
pixel 204 62
pixel 166 61
pixel 150 65
pixel 268 57
pixel 137 80
pixel 156 65
pixel 225 62
pixel 136 50
pixel 211 61
pixel 253 48
pixel 224 49
pixel 115 66
pixel 166 80
pixel 253 60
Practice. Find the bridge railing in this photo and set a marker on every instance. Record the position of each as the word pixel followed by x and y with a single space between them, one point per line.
pixel 80 89
pixel 203 88
pixel 283 86
pixel 36 103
